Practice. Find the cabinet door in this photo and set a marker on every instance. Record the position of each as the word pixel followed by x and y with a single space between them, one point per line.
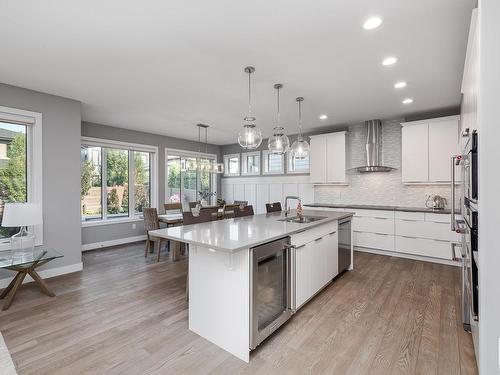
pixel 335 158
pixel 443 143
pixel 302 275
pixel 317 159
pixel 332 256
pixel 415 153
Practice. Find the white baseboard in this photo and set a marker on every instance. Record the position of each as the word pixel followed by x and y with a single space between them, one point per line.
pixel 406 256
pixel 120 241
pixel 46 274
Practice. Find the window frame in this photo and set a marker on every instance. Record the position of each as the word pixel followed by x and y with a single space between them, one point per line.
pixel 265 163
pixel 34 162
pixel 243 161
pixel 153 170
pixel 226 164
pixel 189 154
pixel 289 161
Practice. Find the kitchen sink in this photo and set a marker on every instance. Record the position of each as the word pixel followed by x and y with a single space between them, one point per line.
pixel 303 219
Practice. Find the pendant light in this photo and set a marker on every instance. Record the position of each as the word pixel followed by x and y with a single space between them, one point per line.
pixel 278 143
pixel 250 137
pixel 300 148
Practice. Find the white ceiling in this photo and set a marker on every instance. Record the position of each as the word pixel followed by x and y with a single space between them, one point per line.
pixel 163 66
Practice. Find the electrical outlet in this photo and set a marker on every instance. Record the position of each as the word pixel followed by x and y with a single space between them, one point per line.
pixel 134 225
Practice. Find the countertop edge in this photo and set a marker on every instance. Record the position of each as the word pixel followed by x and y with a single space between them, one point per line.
pixel 257 243
pixel 381 208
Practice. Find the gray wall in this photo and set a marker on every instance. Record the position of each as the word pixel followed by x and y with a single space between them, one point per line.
pixel 61 120
pixel 109 232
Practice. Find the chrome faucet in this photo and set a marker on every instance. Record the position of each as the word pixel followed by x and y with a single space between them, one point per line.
pixel 287 209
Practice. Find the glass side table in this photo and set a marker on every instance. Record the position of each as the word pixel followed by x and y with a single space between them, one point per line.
pixel 25 263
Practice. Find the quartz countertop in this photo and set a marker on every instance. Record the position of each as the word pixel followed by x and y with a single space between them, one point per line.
pixel 384 208
pixel 232 235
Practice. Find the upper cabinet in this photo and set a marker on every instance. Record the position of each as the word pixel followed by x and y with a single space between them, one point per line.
pixel 328 158
pixel 427 147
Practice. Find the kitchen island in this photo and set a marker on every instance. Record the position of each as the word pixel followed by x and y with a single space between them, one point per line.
pixel 248 275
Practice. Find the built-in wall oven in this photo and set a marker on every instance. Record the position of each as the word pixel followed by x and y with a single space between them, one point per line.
pixel 465 222
pixel 270 288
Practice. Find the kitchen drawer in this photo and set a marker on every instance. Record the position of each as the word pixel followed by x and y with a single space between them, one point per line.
pixel 313 233
pixel 374 240
pixel 373 224
pixel 417 216
pixel 424 229
pixel 372 213
pixel 438 218
pixel 423 247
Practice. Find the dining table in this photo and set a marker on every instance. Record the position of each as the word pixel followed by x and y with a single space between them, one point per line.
pixel 172 219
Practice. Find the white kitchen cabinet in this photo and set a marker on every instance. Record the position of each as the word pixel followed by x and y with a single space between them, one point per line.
pixel 302 274
pixel 443 142
pixel 328 158
pixel 317 159
pixel 415 155
pixel 316 261
pixel 427 147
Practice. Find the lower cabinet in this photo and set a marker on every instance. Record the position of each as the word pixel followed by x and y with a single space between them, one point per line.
pixel 316 264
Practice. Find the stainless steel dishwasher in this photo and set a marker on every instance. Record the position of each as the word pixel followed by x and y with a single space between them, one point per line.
pixel 345 244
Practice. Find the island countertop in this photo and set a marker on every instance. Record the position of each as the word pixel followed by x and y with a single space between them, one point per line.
pixel 232 235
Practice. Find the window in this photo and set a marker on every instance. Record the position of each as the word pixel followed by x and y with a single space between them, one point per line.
pixel 250 163
pixel 189 178
pixel 273 163
pixel 116 179
pixel 298 165
pixel 232 165
pixel 20 165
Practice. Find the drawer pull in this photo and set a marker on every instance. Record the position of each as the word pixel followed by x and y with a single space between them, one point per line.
pixel 318 239
pixel 381 234
pixel 381 218
pixel 409 220
pixel 332 232
pixel 413 238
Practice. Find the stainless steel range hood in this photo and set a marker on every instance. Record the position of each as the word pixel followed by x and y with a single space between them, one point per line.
pixel 374 148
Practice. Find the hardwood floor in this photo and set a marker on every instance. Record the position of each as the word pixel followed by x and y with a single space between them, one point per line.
pixel 125 314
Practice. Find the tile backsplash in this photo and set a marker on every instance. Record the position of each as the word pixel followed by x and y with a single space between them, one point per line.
pixel 381 188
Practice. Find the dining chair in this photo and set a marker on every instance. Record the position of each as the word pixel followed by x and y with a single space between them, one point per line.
pixel 204 216
pixel 214 211
pixel 151 222
pixel 174 208
pixel 229 210
pixel 273 207
pixel 192 204
pixel 245 211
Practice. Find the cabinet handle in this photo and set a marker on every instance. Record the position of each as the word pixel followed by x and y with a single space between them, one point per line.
pixel 318 239
pixel 332 232
pixel 381 234
pixel 413 238
pixel 381 218
pixel 440 240
pixel 298 247
pixel 409 220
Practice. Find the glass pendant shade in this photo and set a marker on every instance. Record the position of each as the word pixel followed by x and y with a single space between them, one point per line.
pixel 300 148
pixel 218 168
pixel 278 143
pixel 250 137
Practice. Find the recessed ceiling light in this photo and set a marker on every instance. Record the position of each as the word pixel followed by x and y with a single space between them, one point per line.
pixel 400 85
pixel 372 23
pixel 389 61
pixel 407 101
pixel 323 117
